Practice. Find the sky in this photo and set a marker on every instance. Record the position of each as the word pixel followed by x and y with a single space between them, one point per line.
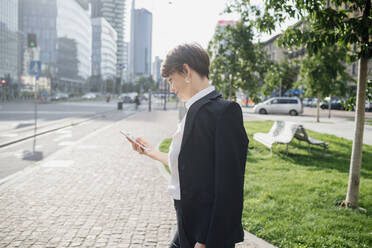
pixel 180 21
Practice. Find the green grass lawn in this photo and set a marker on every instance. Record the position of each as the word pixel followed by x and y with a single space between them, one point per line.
pixel 164 147
pixel 290 201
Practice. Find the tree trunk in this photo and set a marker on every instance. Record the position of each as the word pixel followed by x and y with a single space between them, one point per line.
pixel 356 154
pixel 329 107
pixel 317 108
pixel 230 90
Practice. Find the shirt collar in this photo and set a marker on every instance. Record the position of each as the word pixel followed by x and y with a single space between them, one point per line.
pixel 199 95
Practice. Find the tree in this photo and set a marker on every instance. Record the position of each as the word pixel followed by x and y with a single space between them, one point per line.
pixel 224 62
pixel 236 62
pixel 280 77
pixel 349 104
pixel 110 85
pixel 324 74
pixel 334 21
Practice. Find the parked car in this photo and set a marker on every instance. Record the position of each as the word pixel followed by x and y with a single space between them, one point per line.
pixel 335 104
pixel 307 102
pixel 58 96
pixel 280 105
pixel 368 106
pixel 89 96
pixel 127 99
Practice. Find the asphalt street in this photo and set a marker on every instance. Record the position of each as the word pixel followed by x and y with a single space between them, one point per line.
pixel 17 121
pixel 340 123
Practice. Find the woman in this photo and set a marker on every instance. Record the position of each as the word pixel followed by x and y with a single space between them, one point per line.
pixel 207 155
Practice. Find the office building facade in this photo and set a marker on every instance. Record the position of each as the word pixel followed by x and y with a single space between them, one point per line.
pixel 156 74
pixel 9 37
pixel 64 39
pixel 126 62
pixel 141 43
pixel 114 12
pixel 104 49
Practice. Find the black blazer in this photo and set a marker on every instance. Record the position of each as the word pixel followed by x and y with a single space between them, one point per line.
pixel 211 172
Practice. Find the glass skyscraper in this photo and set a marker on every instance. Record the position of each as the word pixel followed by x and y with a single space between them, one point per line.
pixel 104 49
pixel 114 12
pixel 9 39
pixel 64 36
pixel 74 24
pixel 140 43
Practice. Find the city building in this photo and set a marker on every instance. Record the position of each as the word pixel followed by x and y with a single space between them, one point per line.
pixel 64 41
pixel 156 65
pixel 126 62
pixel 274 52
pixel 114 12
pixel 9 37
pixel 278 54
pixel 103 54
pixel 140 43
pixel 103 49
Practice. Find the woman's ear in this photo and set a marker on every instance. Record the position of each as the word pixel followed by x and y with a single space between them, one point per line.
pixel 187 70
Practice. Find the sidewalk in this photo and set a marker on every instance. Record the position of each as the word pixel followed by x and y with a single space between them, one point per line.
pixel 96 193
pixel 338 126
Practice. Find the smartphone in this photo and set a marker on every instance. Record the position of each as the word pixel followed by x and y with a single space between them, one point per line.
pixel 133 139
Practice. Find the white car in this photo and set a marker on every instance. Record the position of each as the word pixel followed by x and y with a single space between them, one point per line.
pixel 368 106
pixel 89 96
pixel 280 105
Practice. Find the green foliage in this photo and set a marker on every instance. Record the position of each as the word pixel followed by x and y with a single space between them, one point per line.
pixel 324 73
pixel 235 59
pixel 164 147
pixel 290 201
pixel 329 25
pixel 145 82
pixel 280 77
pixel 350 102
pixel 109 85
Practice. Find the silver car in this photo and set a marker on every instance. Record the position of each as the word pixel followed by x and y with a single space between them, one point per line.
pixel 280 105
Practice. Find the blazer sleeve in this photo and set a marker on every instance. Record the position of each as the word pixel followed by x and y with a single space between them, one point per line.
pixel 231 144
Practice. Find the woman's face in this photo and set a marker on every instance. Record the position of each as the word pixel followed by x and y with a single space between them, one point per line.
pixel 179 86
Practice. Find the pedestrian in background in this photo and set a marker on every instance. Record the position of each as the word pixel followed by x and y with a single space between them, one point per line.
pixel 137 101
pixel 207 155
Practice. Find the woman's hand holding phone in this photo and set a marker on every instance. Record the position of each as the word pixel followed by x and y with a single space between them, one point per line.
pixel 149 151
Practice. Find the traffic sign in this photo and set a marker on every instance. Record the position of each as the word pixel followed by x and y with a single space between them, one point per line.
pixel 35 68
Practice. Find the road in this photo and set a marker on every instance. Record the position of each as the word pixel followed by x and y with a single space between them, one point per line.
pixel 17 122
pixel 339 124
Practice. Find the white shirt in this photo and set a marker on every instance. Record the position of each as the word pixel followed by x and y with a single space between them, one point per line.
pixel 175 147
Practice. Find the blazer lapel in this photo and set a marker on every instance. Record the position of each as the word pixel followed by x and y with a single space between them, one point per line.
pixel 191 113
